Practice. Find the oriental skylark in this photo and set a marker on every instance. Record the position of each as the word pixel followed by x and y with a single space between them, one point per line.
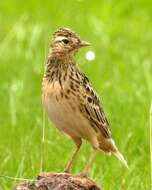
pixel 70 102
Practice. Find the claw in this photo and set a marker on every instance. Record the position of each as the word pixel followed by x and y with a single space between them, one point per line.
pixel 83 175
pixel 66 171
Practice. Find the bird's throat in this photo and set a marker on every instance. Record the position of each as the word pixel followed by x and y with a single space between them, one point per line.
pixel 57 68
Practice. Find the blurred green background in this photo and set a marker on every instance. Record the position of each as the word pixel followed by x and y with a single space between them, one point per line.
pixel 121 37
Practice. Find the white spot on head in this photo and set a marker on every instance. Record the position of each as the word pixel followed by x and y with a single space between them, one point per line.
pixel 90 55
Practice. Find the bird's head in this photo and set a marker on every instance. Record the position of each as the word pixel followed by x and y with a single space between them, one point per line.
pixel 66 42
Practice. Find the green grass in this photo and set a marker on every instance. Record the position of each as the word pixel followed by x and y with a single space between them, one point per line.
pixel 121 37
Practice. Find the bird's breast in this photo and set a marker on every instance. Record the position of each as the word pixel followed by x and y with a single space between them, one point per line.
pixel 63 110
pixel 57 103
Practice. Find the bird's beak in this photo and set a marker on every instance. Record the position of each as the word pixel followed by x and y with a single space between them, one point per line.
pixel 84 44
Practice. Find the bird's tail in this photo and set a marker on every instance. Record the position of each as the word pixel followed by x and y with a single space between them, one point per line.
pixel 120 157
pixel 108 146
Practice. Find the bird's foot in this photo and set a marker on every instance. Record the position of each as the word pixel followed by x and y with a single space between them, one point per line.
pixel 66 170
pixel 83 174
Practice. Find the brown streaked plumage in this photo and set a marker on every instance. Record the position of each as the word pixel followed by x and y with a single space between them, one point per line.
pixel 70 101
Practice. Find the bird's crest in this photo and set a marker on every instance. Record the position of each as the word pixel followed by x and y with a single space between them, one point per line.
pixel 65 32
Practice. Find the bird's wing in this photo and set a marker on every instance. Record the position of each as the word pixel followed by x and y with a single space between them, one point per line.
pixel 92 108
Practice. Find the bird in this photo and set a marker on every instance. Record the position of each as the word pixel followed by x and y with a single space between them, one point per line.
pixel 70 101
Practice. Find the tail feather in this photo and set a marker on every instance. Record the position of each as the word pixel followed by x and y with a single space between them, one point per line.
pixel 109 147
pixel 120 157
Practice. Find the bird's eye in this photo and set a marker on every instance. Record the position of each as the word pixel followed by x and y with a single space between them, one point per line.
pixel 65 41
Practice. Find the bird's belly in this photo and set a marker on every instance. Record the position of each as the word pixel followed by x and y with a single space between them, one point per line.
pixel 68 119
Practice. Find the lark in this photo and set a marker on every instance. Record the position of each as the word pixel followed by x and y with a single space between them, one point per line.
pixel 70 101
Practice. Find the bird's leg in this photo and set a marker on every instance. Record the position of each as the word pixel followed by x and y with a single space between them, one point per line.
pixel 68 166
pixel 89 164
